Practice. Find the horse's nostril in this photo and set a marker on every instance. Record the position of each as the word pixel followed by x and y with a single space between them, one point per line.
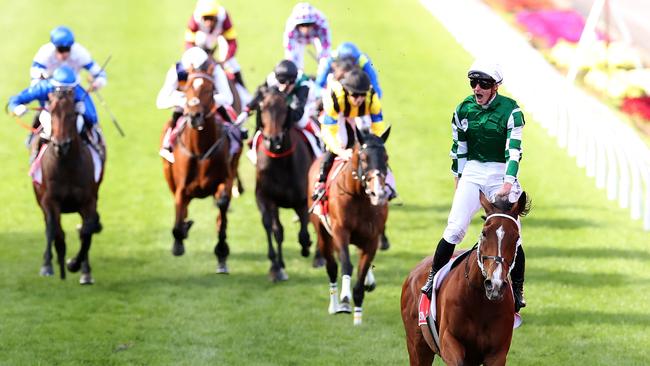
pixel 488 285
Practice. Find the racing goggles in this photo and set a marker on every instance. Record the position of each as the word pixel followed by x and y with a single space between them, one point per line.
pixel 484 84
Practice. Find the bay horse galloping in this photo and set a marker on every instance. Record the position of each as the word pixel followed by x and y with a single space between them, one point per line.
pixel 202 164
pixel 475 304
pixel 357 211
pixel 283 160
pixel 68 185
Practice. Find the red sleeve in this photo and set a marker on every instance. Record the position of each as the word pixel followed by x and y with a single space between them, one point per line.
pixel 232 48
pixel 192 25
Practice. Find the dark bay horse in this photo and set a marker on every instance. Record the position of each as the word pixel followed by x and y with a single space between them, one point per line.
pixel 202 164
pixel 283 159
pixel 358 209
pixel 68 185
pixel 475 304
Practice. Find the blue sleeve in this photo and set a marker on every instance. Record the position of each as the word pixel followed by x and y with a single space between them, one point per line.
pixel 38 91
pixel 321 79
pixel 372 74
pixel 90 113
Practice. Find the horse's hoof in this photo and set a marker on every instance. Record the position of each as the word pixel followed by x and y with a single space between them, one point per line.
pixel 318 262
pixel 304 251
pixel 47 271
pixel 73 266
pixel 235 192
pixel 86 279
pixel 344 308
pixel 385 244
pixel 357 316
pixel 279 275
pixel 370 287
pixel 178 249
pixel 222 268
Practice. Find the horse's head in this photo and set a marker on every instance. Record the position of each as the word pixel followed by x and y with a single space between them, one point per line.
pixel 372 165
pixel 497 245
pixel 64 126
pixel 273 113
pixel 199 93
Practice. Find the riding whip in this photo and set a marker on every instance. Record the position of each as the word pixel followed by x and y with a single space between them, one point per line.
pixel 103 102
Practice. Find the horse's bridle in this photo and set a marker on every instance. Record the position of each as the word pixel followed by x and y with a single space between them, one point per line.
pixel 359 174
pixel 194 101
pixel 497 258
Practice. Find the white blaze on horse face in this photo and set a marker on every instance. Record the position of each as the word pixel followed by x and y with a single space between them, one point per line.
pixel 196 84
pixel 496 275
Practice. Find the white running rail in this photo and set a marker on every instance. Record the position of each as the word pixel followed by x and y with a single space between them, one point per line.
pixel 601 142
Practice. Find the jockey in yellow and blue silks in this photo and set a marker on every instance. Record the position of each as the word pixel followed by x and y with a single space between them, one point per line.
pixel 350 101
pixel 63 77
pixel 348 50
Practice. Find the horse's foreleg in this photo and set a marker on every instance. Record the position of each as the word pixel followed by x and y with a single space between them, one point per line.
pixel 55 233
pixel 221 250
pixel 365 261
pixel 52 235
pixel 303 234
pixel 269 214
pixel 497 360
pixel 89 226
pixel 451 350
pixel 181 227
pixel 341 241
pixel 325 247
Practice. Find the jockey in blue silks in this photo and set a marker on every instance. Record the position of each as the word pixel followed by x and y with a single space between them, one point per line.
pixel 63 77
pixel 347 50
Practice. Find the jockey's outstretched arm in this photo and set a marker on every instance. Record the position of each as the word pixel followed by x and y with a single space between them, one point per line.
pixel 169 96
pixel 223 95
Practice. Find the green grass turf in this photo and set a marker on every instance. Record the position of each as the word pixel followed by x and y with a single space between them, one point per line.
pixel 587 278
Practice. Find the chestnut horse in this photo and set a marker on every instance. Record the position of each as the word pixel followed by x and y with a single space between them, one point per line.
pixel 475 304
pixel 202 164
pixel 68 185
pixel 283 159
pixel 358 209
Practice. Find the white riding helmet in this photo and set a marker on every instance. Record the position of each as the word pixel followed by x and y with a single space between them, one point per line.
pixel 194 57
pixel 485 69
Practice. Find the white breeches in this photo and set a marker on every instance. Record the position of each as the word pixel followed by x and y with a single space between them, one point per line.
pixel 476 177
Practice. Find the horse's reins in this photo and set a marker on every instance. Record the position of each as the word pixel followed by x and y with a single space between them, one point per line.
pixel 210 115
pixel 497 258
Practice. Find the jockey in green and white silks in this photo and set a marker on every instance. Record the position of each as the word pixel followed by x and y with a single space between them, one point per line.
pixel 486 151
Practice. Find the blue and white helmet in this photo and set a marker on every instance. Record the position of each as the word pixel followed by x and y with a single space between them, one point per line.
pixel 61 37
pixel 348 50
pixel 64 77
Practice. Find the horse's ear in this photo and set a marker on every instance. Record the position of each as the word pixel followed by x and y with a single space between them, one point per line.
pixel 210 69
pixel 385 134
pixel 485 202
pixel 360 136
pixel 522 206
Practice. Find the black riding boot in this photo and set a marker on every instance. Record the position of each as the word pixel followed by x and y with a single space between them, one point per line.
pixel 239 78
pixel 443 254
pixel 325 166
pixel 517 276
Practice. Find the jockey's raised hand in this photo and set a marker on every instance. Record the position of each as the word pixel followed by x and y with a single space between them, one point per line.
pixel 19 110
pixel 505 190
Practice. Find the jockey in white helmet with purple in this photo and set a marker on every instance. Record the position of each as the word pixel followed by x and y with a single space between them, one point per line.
pixel 306 25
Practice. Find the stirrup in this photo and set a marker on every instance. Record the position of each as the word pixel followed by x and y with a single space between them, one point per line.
pixel 427 289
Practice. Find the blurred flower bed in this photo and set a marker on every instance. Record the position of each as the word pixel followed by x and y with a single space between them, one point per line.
pixel 609 68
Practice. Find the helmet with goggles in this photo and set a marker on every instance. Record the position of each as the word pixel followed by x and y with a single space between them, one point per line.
pixel 486 70
pixel 64 77
pixel 62 37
